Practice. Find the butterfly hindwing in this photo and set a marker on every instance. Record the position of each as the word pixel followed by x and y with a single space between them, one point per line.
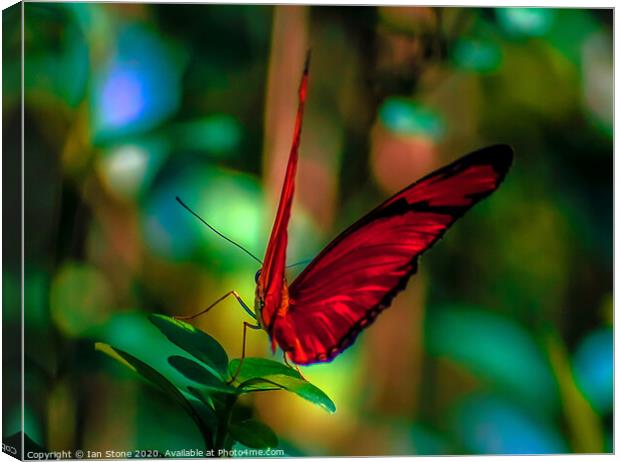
pixel 359 273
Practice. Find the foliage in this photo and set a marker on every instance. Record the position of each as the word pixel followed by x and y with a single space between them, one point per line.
pixel 212 402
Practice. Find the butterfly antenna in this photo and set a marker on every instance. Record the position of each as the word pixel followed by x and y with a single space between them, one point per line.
pixel 303 262
pixel 216 231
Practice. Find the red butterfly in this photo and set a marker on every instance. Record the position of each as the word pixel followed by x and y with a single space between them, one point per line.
pixel 359 273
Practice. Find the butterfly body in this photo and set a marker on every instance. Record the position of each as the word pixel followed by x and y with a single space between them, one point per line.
pixel 357 275
pixel 259 300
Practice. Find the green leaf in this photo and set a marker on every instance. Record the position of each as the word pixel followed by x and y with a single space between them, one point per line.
pixel 264 374
pixel 241 413
pixel 113 353
pixel 158 380
pixel 194 371
pixel 304 389
pixel 143 369
pixel 200 395
pixel 253 434
pixel 260 367
pixel 204 409
pixel 259 384
pixel 218 402
pixel 197 343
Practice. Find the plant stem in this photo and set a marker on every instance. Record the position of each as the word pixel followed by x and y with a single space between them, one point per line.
pixel 207 437
pixel 222 430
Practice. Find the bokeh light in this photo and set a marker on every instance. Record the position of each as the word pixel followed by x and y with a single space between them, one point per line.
pixel 229 201
pixel 488 424
pixel 218 134
pixel 495 349
pixel 129 169
pixel 409 118
pixel 593 365
pixel 528 22
pixel 80 298
pixel 477 55
pixel 128 96
pixel 597 86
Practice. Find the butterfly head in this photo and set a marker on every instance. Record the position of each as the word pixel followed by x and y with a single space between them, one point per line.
pixel 257 275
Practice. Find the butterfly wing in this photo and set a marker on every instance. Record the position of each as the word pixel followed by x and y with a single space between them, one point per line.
pixel 359 273
pixel 270 284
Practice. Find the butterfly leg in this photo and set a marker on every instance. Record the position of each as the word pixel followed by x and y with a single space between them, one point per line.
pixel 294 366
pixel 228 294
pixel 245 329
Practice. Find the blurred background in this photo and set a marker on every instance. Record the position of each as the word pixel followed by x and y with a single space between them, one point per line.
pixel 503 341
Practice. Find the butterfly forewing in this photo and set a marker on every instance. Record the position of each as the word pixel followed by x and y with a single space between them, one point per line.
pixel 271 284
pixel 358 274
